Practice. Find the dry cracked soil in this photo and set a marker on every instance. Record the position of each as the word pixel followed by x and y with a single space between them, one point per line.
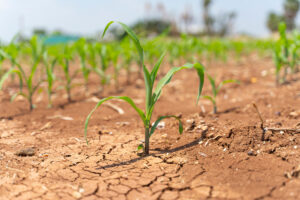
pixel 43 154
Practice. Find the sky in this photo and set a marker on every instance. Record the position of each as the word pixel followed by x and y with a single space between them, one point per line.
pixel 88 17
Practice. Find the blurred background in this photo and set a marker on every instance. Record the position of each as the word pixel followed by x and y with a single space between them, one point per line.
pixel 75 18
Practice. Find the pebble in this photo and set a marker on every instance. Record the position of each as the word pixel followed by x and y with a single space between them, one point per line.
pixel 293 114
pixel 251 153
pixel 26 152
pixel 203 154
pixel 76 195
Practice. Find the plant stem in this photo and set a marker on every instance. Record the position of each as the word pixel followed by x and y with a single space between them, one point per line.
pixel 146 149
pixel 215 108
pixel 69 95
pixel 49 100
pixel 30 103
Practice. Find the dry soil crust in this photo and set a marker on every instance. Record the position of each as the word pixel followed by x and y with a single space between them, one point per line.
pixel 218 156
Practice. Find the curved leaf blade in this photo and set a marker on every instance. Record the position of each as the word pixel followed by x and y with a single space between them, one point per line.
pixel 213 85
pixel 180 128
pixel 132 35
pixel 126 99
pixel 226 82
pixel 155 69
pixel 167 78
pixel 5 76
pixel 211 99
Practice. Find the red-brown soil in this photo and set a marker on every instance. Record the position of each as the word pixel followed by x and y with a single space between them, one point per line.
pixel 221 156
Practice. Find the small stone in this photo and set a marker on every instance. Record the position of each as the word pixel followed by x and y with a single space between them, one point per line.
pixel 294 114
pixel 6 134
pixel 76 195
pixel 191 126
pixel 203 154
pixel 251 153
pixel 26 152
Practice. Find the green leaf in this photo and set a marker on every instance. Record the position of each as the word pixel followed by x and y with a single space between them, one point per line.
pixel 213 85
pixel 141 146
pixel 17 94
pixel 164 117
pixel 167 78
pixel 148 86
pixel 226 82
pixel 5 76
pixel 210 99
pixel 127 99
pixel 30 78
pixel 106 28
pixel 156 68
pixel 132 35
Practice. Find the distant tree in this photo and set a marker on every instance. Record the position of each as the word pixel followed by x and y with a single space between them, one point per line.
pixel 187 18
pixel 207 18
pixel 273 21
pixel 144 27
pixel 39 31
pixel 224 24
pixel 57 32
pixel 291 8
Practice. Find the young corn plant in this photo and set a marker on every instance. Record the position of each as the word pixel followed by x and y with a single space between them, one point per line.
pixel 82 49
pixel 2 71
pixel 127 57
pixel 114 57
pixel 278 60
pixel 215 90
pixel 152 94
pixel 104 59
pixel 64 61
pixel 284 42
pixel 92 60
pixel 36 52
pixel 49 65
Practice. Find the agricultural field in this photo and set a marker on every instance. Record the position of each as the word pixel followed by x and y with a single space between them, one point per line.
pixel 182 118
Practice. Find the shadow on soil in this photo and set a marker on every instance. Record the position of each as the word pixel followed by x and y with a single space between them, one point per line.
pixel 191 144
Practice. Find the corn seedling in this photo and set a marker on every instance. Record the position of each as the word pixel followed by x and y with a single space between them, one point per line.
pixel 64 61
pixel 37 51
pixel 49 65
pixel 284 43
pixel 114 53
pixel 152 95
pixel 82 49
pixel 215 90
pixel 127 57
pixel 92 60
pixel 104 59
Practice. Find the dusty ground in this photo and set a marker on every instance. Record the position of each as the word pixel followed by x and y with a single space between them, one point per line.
pixel 220 156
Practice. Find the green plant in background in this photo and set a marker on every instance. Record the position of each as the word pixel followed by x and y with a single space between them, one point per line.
pixel 152 95
pixel 81 48
pixel 278 60
pixel 104 59
pixel 114 52
pixel 49 65
pixel 127 55
pixel 294 49
pixel 215 90
pixel 37 50
pixel 284 42
pixel 2 71
pixel 92 60
pixel 64 60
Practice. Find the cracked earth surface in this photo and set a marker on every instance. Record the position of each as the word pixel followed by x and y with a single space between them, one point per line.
pixel 218 156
